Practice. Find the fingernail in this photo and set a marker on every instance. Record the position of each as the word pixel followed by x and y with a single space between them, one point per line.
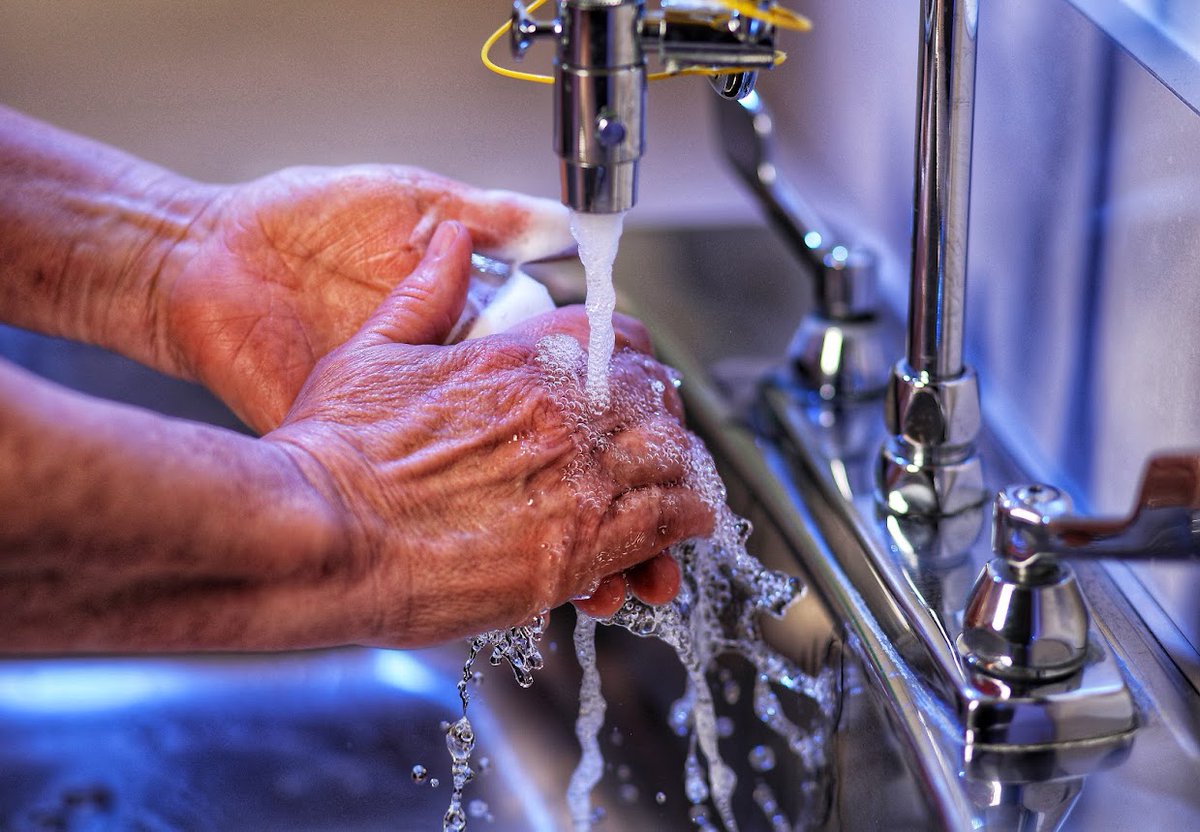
pixel 443 238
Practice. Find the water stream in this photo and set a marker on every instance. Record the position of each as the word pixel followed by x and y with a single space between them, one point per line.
pixel 724 593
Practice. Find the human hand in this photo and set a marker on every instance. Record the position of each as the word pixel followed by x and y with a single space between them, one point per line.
pixel 277 272
pixel 476 484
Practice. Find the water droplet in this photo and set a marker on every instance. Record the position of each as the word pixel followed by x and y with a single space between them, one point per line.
pixel 454 820
pixel 731 691
pixel 434 782
pixel 628 793
pixel 762 758
pixel 419 773
pixel 624 772
pixel 660 798
pixel 725 726
pixel 477 808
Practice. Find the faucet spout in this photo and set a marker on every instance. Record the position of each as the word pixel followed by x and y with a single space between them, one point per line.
pixel 929 467
pixel 600 78
pixel 600 103
pixel 942 189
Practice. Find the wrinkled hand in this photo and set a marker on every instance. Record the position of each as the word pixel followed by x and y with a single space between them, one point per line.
pixel 476 489
pixel 279 271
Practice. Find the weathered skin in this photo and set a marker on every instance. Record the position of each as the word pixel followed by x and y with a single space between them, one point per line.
pixel 386 501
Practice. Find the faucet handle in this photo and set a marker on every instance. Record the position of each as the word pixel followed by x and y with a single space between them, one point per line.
pixel 526 29
pixel 1026 619
pixel 1034 521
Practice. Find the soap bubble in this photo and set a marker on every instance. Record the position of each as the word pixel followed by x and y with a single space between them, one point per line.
pixel 762 758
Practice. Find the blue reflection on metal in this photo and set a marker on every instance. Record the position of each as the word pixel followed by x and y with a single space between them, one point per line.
pixel 404 671
pixel 48 687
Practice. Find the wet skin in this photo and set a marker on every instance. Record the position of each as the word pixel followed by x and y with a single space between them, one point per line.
pixel 385 502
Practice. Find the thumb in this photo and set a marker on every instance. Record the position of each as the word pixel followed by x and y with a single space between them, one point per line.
pixel 424 307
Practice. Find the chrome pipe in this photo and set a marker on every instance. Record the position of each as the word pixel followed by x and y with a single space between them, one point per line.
pixel 600 103
pixel 929 467
pixel 942 191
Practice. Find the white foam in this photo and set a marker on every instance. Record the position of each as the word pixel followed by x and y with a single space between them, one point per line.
pixel 599 236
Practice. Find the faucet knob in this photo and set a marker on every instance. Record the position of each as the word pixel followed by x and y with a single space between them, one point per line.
pixel 1026 618
pixel 525 30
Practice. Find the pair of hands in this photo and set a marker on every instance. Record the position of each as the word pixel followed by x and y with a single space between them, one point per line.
pixel 313 302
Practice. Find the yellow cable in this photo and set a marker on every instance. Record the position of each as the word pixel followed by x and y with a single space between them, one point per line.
pixel 775 16
pixel 485 53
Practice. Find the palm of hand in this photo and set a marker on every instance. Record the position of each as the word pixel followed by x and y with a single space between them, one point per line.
pixel 295 262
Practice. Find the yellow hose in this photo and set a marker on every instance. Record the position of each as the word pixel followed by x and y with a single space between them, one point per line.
pixel 775 16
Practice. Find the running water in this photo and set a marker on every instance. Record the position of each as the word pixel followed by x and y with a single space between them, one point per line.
pixel 723 594
pixel 519 647
pixel 598 236
pixel 587 728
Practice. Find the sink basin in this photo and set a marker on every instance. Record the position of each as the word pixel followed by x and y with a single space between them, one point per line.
pixel 321 740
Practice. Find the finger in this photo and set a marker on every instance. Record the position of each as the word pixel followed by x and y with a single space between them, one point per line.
pixel 516 227
pixel 644 455
pixel 644 521
pixel 423 308
pixel 656 581
pixel 504 224
pixel 607 599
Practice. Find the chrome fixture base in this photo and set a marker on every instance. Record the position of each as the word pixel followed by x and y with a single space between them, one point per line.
pixel 838 359
pixel 1026 618
pixel 1025 625
pixel 917 573
pixel 928 466
pixel 836 352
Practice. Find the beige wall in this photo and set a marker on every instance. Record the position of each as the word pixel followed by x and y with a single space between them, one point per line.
pixel 229 89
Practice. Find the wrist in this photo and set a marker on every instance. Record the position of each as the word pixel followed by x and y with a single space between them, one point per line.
pixel 166 220
pixel 331 533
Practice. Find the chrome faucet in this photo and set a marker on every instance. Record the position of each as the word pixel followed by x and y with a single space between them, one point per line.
pixel 600 79
pixel 837 353
pixel 929 467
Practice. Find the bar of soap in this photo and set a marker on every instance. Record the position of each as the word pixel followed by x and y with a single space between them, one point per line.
pixel 519 298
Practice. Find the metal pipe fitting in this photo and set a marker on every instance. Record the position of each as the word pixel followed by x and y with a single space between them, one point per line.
pixel 942 188
pixel 600 82
pixel 930 466
pixel 599 104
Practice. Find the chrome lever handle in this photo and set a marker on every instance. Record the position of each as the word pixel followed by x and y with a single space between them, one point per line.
pixel 1026 618
pixel 845 274
pixel 1033 521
